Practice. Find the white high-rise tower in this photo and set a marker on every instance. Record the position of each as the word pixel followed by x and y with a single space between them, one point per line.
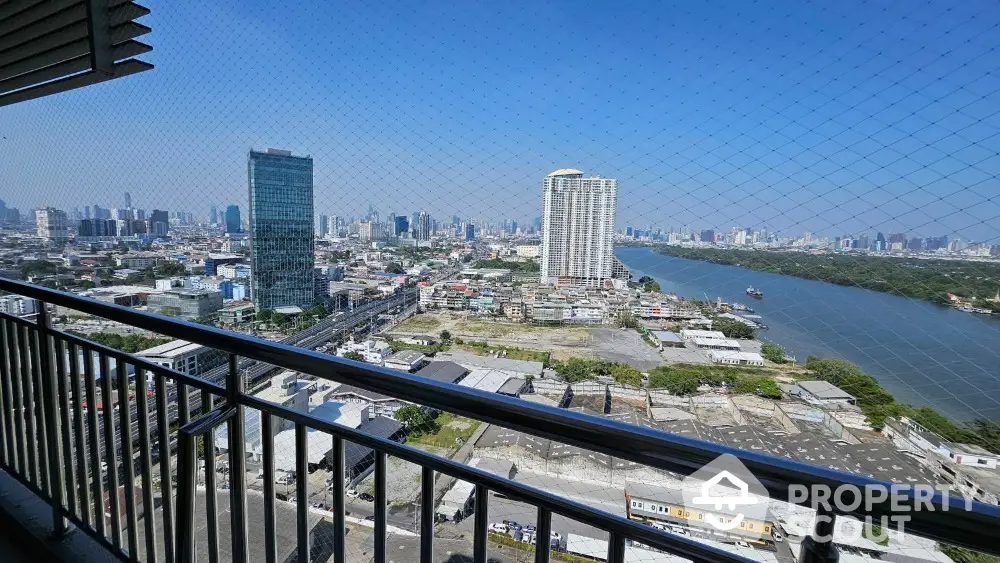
pixel 578 221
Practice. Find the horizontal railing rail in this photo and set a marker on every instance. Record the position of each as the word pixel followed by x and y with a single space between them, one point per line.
pixel 949 521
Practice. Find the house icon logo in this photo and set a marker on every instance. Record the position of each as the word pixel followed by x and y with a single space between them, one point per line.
pixel 726 497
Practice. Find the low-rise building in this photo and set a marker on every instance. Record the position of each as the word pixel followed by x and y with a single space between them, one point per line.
pixel 667 339
pixel 736 358
pixel 186 303
pixel 139 260
pixel 183 356
pixel 969 454
pixel 377 403
pixel 716 344
pixel 823 393
pixel 237 313
pixel 371 351
pixel 406 360
pixel 18 306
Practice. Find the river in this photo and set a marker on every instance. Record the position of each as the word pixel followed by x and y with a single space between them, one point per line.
pixel 924 354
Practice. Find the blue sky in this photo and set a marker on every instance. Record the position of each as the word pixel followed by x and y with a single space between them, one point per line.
pixel 831 117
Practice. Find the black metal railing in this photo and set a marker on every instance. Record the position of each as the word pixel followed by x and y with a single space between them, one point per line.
pixel 50 401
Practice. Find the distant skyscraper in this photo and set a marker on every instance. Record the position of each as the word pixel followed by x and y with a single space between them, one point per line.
pixel 281 229
pixel 422 226
pixel 324 225
pixel 401 226
pixel 578 217
pixel 51 225
pixel 470 232
pixel 708 235
pixel 128 200
pixel 233 219
pixel 213 215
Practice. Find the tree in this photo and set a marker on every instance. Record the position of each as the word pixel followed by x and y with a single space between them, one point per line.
pixel 317 311
pixel 649 285
pixel 395 268
pixel 264 315
pixel 676 382
pixel 733 328
pixel 625 319
pixel 624 374
pixel 773 353
pixel 445 336
pixel 170 268
pixel 414 417
pixel 356 356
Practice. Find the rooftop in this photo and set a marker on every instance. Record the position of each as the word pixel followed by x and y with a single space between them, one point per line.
pixel 447 372
pixel 171 349
pixel 565 172
pixel 824 390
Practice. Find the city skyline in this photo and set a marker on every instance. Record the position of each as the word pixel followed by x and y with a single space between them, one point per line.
pixel 703 120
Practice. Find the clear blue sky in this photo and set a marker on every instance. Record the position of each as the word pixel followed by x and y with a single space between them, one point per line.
pixel 831 117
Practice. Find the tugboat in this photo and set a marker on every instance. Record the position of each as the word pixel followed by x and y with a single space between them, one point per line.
pixel 755 293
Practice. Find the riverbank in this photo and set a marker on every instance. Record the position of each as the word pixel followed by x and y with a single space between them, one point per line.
pixel 927 279
pixel 923 354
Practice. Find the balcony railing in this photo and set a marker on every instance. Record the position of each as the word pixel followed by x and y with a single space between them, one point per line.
pixel 57 438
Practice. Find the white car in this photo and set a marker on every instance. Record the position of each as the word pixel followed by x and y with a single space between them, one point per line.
pixel 742 544
pixel 499 528
pixel 350 493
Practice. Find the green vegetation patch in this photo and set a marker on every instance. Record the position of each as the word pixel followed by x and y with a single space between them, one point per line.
pixel 684 379
pixel 130 343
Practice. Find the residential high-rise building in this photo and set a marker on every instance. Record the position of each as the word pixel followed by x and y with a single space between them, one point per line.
pixel 128 201
pixel 213 215
pixel 578 219
pixel 401 226
pixel 232 219
pixel 470 231
pixel 51 225
pixel 708 235
pixel 158 223
pixel 422 226
pixel 324 225
pixel 370 230
pixel 281 229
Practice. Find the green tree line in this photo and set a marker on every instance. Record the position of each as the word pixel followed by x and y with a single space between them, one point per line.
pixel 130 343
pixel 931 279
pixel 528 266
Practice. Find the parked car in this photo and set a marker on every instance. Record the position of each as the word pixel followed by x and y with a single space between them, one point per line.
pixel 742 543
pixel 351 493
pixel 498 528
pixel 366 497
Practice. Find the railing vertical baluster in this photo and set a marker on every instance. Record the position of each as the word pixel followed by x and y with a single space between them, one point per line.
pixel 211 500
pixel 17 398
pixel 82 471
pixel 426 515
pixel 187 474
pixel 128 458
pixel 28 406
pixel 380 512
pixel 110 451
pixel 543 535
pixel 10 450
pixel 50 406
pixel 65 425
pixel 183 404
pixel 237 463
pixel 339 506
pixel 302 490
pixel 146 464
pixel 616 548
pixel 41 397
pixel 481 524
pixel 93 420
pixel 5 429
pixel 166 479
pixel 819 548
pixel 267 437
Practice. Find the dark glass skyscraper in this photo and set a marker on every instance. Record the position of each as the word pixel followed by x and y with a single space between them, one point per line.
pixel 232 219
pixel 281 229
